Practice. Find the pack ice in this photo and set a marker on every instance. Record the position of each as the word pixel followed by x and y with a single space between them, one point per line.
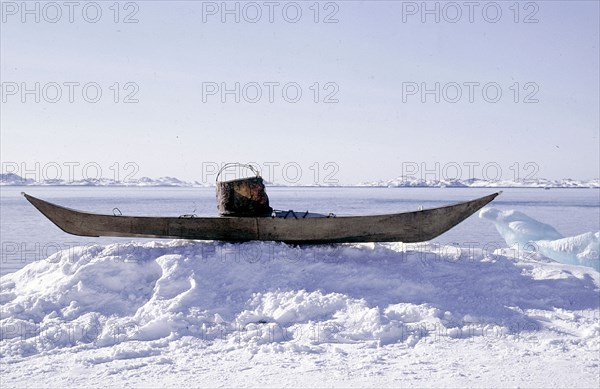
pixel 525 233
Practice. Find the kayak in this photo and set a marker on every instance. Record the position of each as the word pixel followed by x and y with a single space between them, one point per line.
pixel 288 226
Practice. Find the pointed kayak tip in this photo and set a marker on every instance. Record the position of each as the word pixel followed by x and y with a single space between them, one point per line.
pixel 28 197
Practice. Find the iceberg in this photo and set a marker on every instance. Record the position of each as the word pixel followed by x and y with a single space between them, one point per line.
pixel 523 232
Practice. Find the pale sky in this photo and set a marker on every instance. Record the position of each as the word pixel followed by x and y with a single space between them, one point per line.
pixel 371 62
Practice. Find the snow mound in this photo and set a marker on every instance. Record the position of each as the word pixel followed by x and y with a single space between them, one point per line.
pixel 525 233
pixel 129 299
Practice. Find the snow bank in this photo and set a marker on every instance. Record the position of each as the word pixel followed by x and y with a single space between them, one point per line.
pixel 526 233
pixel 273 297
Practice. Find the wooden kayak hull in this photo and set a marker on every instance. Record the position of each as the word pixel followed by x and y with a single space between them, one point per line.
pixel 408 227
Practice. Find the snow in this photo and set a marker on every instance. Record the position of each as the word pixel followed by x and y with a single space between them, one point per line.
pixel 175 313
pixel 525 233
pixel 179 313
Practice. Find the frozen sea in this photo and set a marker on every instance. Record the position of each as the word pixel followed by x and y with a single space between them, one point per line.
pixel 91 312
pixel 28 236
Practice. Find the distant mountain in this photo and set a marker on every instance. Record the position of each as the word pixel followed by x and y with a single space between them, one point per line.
pixel 413 182
pixel 11 179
